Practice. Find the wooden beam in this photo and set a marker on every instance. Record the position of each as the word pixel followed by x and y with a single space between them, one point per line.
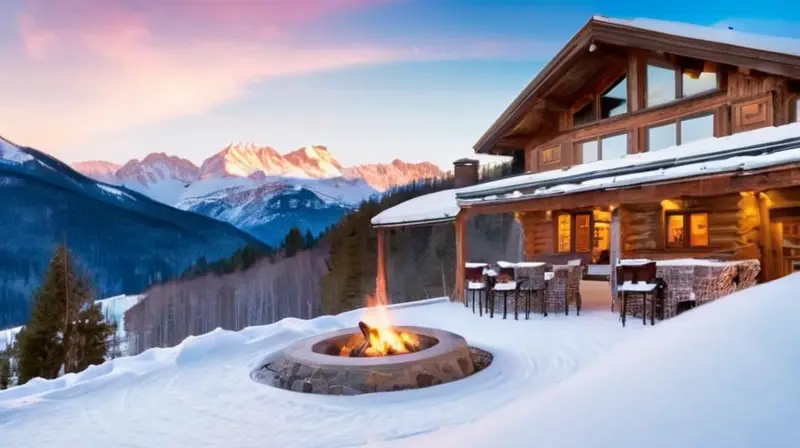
pixel 461 256
pixel 380 282
pixel 714 185
pixel 768 262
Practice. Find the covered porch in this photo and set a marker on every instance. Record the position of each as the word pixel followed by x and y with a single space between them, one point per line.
pixel 717 201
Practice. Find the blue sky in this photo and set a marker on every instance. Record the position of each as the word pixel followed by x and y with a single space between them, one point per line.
pixel 374 80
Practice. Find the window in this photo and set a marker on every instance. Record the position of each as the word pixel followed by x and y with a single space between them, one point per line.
pixel 687 229
pixel 682 131
pixel 585 115
pixel 697 128
pixel 574 232
pixel 695 83
pixel 660 85
pixel 602 148
pixel 583 233
pixel 610 103
pixel 615 99
pixel 796 110
pixel 551 155
pixel 564 233
pixel 662 137
pixel 665 83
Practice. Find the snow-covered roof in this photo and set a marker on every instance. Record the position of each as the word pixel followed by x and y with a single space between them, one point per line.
pixel 431 208
pixel 721 35
pixel 744 151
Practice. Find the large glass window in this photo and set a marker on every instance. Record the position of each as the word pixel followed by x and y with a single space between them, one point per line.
pixel 602 148
pixel 590 151
pixel 682 131
pixel 615 100
pixel 697 128
pixel 687 229
pixel 610 103
pixel 665 84
pixel 585 115
pixel 692 84
pixel 660 85
pixel 614 147
pixel 661 137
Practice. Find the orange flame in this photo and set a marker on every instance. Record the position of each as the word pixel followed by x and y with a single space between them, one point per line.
pixel 383 338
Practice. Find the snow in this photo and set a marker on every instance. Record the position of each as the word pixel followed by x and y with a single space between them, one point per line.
pixel 429 208
pixel 718 375
pixel 115 191
pixel 11 153
pixel 720 35
pixel 714 145
pixel 8 336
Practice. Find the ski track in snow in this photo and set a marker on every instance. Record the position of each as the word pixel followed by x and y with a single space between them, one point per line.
pixel 200 393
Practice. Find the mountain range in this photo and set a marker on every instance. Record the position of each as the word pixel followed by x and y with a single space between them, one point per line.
pixel 259 190
pixel 123 239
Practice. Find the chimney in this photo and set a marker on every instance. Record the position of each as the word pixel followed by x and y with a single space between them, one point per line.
pixel 465 172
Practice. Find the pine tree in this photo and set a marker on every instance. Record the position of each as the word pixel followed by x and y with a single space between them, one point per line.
pixel 309 242
pixel 293 242
pixel 92 335
pixel 5 369
pixel 48 342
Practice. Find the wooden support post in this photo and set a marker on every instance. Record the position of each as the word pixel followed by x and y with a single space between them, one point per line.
pixel 767 255
pixel 461 256
pixel 380 282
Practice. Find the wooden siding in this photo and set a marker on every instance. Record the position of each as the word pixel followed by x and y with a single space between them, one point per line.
pixel 733 227
pixel 745 100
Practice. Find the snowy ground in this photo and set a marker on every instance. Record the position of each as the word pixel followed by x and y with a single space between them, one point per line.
pixel 721 373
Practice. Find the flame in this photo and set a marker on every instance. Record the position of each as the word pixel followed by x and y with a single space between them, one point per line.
pixel 383 338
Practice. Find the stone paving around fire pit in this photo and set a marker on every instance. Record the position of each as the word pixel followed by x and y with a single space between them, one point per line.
pixel 302 370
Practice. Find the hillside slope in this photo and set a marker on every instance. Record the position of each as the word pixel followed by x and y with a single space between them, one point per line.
pixel 124 239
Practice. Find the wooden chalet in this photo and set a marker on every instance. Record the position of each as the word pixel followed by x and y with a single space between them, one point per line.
pixel 647 139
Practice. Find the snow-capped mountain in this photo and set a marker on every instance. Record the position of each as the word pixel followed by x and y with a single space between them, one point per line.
pixel 125 240
pixel 97 169
pixel 260 190
pixel 384 176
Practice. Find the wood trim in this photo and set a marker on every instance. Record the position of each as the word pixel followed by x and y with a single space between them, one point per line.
pixel 714 185
pixel 752 113
pixel 461 255
pixel 662 112
pixel 380 282
pixel 765 237
pixel 764 61
pixel 555 161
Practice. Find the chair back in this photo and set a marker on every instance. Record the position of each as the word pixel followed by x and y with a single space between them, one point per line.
pixel 533 276
pixel 505 274
pixel 473 274
pixel 635 273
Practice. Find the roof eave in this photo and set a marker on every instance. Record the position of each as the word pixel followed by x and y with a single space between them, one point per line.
pixel 517 107
pixel 418 223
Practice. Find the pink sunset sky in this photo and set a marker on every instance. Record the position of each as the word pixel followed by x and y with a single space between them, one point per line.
pixel 371 79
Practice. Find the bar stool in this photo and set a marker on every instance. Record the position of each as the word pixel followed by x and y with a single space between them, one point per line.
pixel 506 282
pixel 474 277
pixel 638 280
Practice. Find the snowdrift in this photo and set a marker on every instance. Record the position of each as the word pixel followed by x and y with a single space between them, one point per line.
pixel 724 374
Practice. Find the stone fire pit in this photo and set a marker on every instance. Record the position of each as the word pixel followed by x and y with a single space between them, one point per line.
pixel 314 364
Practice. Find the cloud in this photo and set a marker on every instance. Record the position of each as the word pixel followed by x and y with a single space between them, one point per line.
pixel 94 68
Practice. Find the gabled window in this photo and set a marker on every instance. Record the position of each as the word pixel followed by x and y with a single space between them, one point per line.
pixel 611 102
pixel 666 83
